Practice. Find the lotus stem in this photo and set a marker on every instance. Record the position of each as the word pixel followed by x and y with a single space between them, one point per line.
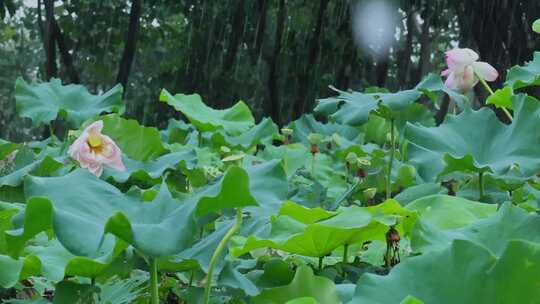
pixel 154 286
pixel 481 184
pixel 313 166
pixel 345 253
pixel 345 259
pixel 320 263
pixel 488 88
pixel 391 162
pixel 217 253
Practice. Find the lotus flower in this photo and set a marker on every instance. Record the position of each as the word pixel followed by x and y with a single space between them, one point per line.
pixel 93 150
pixel 464 69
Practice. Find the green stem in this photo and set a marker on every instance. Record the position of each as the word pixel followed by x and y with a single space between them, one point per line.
pixel 481 184
pixel 320 263
pixel 199 139
pixel 217 253
pixel 191 278
pixel 154 287
pixel 488 88
pixel 345 259
pixel 313 166
pixel 391 162
pixel 345 253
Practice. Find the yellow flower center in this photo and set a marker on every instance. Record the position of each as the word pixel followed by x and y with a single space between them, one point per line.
pixel 95 142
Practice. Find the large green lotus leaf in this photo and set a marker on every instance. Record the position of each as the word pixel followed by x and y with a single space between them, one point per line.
pixel 432 84
pixel 292 156
pixel 46 101
pixel 355 224
pixel 15 270
pixel 416 192
pixel 304 284
pixel 508 223
pixel 153 169
pixel 54 262
pixel 268 185
pixel 177 131
pixel 200 254
pixel 232 276
pixel 504 150
pixel 138 142
pixel 25 163
pixel 524 76
pixel 263 133
pixel 304 214
pixel 353 108
pixel 234 120
pixel 463 272
pixel 82 218
pixel 447 212
pixel 307 124
pixel 234 192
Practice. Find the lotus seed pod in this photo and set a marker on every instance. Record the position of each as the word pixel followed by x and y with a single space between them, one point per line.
pixel 315 138
pixel 351 157
pixel 286 131
pixel 225 150
pixel 234 157
pixel 363 162
pixel 369 193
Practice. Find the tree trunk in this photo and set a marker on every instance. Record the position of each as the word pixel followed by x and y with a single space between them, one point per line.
pixel 130 45
pixel 262 6
pixel 48 41
pixel 64 53
pixel 305 79
pixel 272 103
pixel 425 49
pixel 237 21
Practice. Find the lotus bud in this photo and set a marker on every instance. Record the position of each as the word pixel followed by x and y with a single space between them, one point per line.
pixel 286 131
pixel 314 138
pixel 363 162
pixel 351 158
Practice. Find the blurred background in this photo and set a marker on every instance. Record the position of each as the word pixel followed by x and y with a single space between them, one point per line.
pixel 278 56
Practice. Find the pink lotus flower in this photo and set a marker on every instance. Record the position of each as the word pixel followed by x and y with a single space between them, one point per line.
pixel 93 150
pixel 464 69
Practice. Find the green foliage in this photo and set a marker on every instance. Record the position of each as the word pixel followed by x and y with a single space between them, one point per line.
pixel 258 215
pixel 234 120
pixel 457 145
pixel 524 76
pixel 48 101
pixel 472 269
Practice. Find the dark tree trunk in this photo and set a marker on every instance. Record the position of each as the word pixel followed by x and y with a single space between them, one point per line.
pixel 48 41
pixel 272 103
pixel 348 54
pixel 305 79
pixel 262 6
pixel 65 55
pixel 404 59
pixel 425 50
pixel 130 45
pixel 381 71
pixel 237 21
